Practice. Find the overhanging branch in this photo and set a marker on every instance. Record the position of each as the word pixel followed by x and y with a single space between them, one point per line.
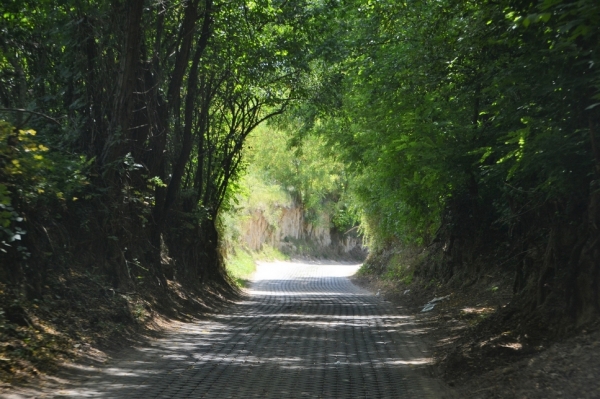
pixel 31 112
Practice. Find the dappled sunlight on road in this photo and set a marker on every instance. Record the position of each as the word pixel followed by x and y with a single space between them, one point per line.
pixel 303 331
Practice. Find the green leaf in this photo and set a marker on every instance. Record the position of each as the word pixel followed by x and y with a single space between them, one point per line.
pixel 592 106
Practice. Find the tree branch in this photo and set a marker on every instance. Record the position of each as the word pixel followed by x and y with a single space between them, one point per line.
pixel 31 112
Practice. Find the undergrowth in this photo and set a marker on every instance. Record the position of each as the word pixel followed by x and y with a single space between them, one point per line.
pixel 395 265
pixel 241 262
pixel 269 253
pixel 240 266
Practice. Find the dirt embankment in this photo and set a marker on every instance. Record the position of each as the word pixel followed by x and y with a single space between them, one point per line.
pixel 485 352
pixel 294 235
pixel 82 318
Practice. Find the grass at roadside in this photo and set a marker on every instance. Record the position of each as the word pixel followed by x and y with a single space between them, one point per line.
pixel 269 254
pixel 241 263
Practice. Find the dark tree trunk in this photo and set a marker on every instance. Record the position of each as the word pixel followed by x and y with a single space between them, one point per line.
pixel 190 104
pixel 122 108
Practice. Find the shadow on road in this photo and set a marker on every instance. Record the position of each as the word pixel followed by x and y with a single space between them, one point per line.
pixel 302 331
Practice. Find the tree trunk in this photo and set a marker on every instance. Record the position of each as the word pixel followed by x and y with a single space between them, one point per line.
pixel 116 144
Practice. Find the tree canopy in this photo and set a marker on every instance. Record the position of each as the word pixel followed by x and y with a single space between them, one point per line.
pixel 470 125
pixel 454 120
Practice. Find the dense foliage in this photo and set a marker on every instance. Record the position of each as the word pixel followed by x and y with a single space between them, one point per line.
pixel 472 124
pixel 458 121
pixel 282 173
pixel 147 105
pixel 437 100
pixel 306 171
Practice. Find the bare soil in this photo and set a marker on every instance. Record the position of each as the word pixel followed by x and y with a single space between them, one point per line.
pixel 483 351
pixel 80 319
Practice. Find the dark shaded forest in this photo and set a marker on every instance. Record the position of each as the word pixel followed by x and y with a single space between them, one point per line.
pixel 467 129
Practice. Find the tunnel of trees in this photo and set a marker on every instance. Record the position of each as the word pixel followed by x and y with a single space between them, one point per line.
pixel 467 126
pixel 142 109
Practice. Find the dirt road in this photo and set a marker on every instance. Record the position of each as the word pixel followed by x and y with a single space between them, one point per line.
pixel 304 331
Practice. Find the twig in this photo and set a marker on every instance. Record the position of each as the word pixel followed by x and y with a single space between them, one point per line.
pixel 353 228
pixel 30 112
